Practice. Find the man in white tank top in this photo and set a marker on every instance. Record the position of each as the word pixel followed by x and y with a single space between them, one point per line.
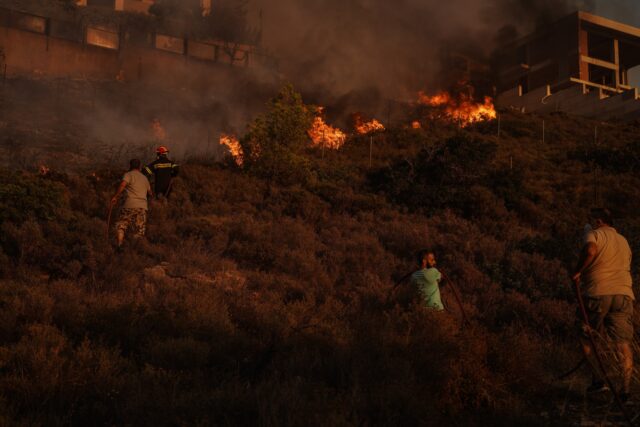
pixel 604 273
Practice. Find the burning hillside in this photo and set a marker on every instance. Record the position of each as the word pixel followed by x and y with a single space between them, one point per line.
pixel 324 135
pixel 234 147
pixel 460 108
pixel 363 127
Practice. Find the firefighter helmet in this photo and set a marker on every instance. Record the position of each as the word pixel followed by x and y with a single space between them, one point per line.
pixel 162 150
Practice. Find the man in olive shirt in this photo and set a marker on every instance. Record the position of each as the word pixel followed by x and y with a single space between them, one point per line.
pixel 426 280
pixel 604 271
pixel 134 211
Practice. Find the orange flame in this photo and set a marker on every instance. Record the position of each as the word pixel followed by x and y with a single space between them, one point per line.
pixel 157 130
pixel 323 135
pixel 235 149
pixel 364 128
pixel 416 125
pixel 461 109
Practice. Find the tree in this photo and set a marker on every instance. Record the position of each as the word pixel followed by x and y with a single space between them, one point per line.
pixel 273 148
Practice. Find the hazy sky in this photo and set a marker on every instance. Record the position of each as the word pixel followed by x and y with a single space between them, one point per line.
pixel 627 11
pixel 344 45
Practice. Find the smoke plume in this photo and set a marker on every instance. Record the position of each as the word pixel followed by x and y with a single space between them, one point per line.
pixel 337 46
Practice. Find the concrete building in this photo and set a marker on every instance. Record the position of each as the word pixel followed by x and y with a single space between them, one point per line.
pixel 141 6
pixel 64 46
pixel 578 65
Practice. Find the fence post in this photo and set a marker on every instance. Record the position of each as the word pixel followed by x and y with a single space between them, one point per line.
pixel 370 150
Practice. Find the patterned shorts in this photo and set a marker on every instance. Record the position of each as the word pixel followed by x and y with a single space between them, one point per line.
pixel 132 217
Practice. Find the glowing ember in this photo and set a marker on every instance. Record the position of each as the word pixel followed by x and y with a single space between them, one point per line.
pixel 234 147
pixel 416 125
pixel 157 130
pixel 461 109
pixel 44 170
pixel 363 127
pixel 326 136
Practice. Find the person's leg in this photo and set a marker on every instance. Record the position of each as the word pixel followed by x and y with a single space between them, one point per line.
pixel 620 328
pixel 123 223
pixel 626 356
pixel 596 308
pixel 140 222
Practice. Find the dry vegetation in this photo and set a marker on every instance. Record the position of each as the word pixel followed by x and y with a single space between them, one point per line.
pixel 259 301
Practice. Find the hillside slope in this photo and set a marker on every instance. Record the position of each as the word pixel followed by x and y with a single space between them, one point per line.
pixel 253 300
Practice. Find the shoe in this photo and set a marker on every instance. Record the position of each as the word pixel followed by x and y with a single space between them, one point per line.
pixel 597 387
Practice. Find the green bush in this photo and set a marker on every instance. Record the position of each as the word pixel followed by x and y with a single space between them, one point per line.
pixel 23 195
pixel 276 141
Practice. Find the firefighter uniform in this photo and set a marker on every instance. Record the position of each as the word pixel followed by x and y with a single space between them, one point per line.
pixel 163 171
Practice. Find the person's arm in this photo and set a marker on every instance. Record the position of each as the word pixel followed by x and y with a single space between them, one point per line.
pixel 148 170
pixel 175 170
pixel 121 187
pixel 587 255
pixel 441 282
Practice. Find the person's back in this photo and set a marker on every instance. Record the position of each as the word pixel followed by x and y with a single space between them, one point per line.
pixel 610 271
pixel 136 190
pixel 163 170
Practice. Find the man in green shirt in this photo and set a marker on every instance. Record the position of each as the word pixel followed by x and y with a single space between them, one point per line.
pixel 426 280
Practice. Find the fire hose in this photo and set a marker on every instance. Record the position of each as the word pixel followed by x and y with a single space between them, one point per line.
pixel 596 353
pixel 456 295
pixel 109 219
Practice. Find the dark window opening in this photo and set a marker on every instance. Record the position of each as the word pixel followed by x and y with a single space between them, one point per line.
pixel 602 76
pixel 601 47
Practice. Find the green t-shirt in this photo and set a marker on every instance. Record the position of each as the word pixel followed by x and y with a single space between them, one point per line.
pixel 426 281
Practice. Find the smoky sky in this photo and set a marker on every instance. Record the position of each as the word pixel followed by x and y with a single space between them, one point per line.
pixel 339 46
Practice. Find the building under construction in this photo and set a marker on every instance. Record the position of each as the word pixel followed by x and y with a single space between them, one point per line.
pixel 579 65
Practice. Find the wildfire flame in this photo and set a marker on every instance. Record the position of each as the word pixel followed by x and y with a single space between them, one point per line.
pixel 158 131
pixel 232 143
pixel 416 125
pixel 364 128
pixel 326 136
pixel 461 109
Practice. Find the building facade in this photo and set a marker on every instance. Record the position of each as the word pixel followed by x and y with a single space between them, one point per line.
pixel 141 6
pixel 578 65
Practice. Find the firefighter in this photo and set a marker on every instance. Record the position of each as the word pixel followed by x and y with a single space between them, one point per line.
pixel 163 170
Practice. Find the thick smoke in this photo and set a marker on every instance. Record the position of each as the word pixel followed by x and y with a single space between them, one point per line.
pixel 337 46
pixel 349 55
